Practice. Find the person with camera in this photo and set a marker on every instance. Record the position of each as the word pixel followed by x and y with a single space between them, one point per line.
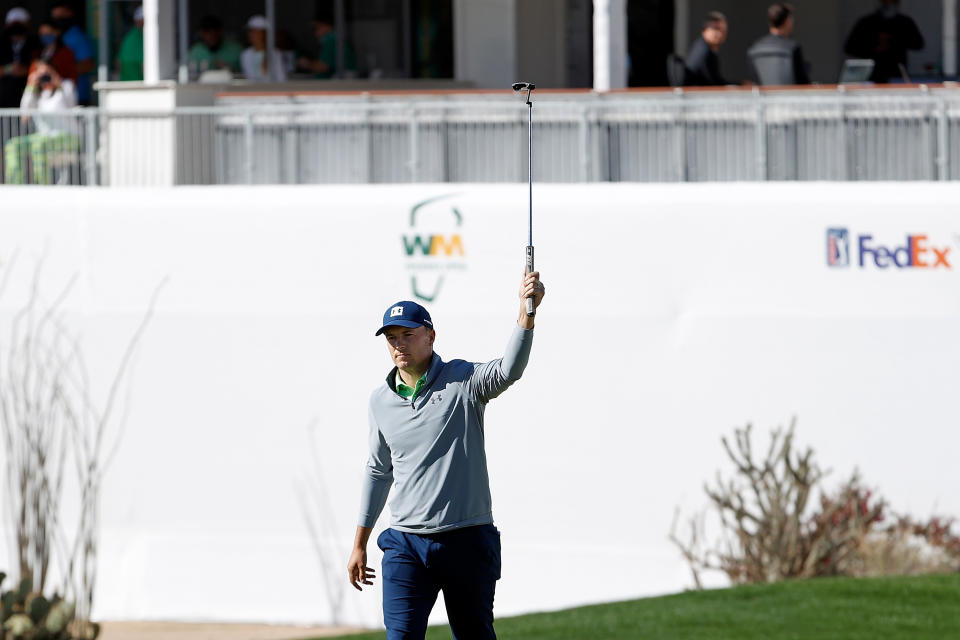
pixel 47 95
pixel 54 52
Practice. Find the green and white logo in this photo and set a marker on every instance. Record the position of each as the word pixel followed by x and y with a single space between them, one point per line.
pixel 433 245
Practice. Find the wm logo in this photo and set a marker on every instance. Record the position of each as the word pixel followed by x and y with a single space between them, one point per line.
pixel 433 245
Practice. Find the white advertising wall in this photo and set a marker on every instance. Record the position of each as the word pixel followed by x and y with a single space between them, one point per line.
pixel 674 313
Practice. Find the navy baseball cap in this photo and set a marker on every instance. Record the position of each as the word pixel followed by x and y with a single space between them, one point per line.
pixel 405 314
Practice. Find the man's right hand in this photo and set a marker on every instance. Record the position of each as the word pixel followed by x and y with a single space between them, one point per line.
pixel 358 570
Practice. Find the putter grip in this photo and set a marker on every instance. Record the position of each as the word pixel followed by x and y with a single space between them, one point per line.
pixel 531 310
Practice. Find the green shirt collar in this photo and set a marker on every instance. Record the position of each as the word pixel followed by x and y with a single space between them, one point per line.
pixel 407 391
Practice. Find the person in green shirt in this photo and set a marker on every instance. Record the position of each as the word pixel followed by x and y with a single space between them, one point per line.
pixel 325 64
pixel 214 51
pixel 130 55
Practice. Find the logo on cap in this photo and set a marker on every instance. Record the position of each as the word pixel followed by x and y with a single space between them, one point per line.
pixel 396 311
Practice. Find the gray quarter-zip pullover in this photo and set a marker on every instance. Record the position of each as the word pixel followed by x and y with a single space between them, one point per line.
pixel 431 449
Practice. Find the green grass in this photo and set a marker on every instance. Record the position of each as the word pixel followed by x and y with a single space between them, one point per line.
pixel 847 608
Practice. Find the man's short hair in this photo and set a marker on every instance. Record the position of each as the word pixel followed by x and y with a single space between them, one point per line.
pixel 714 19
pixel 210 23
pixel 778 14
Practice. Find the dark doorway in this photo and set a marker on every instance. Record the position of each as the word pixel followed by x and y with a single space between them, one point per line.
pixel 649 41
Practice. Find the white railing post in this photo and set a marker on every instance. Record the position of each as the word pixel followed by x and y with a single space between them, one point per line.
pixel 248 145
pixel 680 136
pixel 90 133
pixel 844 135
pixel 584 145
pixel 762 168
pixel 414 146
pixel 943 140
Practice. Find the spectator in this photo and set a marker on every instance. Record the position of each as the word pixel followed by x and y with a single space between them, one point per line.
pixel 257 66
pixel 18 49
pixel 775 58
pixel 130 55
pixel 287 47
pixel 55 52
pixel 884 36
pixel 702 63
pixel 46 91
pixel 80 45
pixel 214 51
pixel 325 64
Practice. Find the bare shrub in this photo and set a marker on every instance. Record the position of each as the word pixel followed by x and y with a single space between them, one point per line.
pixel 769 530
pixel 907 547
pixel 48 415
pixel 318 515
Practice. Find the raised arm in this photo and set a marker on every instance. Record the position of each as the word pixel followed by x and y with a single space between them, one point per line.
pixel 490 379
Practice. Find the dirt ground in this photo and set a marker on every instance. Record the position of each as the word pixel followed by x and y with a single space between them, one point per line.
pixel 212 631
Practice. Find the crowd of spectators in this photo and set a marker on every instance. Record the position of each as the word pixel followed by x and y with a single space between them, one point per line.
pixel 63 44
pixel 884 36
pixel 217 56
pixel 57 41
pixel 44 71
pixel 48 67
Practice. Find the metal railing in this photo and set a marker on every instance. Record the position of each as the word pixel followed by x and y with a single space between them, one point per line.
pixel 895 135
pixel 48 147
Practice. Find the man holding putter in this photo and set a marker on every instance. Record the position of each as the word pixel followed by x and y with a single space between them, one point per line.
pixel 427 441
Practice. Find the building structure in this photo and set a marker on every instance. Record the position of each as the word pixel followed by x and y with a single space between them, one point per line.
pixel 488 44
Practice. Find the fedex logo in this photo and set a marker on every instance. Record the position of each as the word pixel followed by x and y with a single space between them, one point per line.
pixel 917 251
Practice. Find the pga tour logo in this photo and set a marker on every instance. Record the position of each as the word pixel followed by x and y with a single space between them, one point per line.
pixel 838 248
pixel 396 312
pixel 916 251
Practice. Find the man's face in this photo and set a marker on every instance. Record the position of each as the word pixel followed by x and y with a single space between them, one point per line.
pixel 409 347
pixel 17 30
pixel 47 33
pixel 211 37
pixel 321 28
pixel 62 12
pixel 715 34
pixel 258 38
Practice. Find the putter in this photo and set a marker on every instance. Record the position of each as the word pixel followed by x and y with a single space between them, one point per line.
pixel 529 87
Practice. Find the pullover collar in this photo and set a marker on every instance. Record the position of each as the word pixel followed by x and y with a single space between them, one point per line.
pixel 436 363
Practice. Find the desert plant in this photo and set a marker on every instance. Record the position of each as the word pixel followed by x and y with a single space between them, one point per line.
pixel 909 547
pixel 318 514
pixel 28 615
pixel 769 531
pixel 47 413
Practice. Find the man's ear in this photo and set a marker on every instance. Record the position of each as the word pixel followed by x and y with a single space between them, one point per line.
pixel 433 336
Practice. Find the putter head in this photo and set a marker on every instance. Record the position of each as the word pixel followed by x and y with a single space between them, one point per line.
pixel 520 86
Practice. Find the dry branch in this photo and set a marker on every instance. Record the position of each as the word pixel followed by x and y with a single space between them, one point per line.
pixel 47 414
pixel 768 530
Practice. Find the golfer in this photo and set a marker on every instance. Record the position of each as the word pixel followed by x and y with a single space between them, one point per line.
pixel 426 439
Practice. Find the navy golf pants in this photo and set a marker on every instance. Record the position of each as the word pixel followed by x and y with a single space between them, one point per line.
pixel 463 563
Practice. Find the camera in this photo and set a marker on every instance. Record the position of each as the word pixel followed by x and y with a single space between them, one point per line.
pixel 45 78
